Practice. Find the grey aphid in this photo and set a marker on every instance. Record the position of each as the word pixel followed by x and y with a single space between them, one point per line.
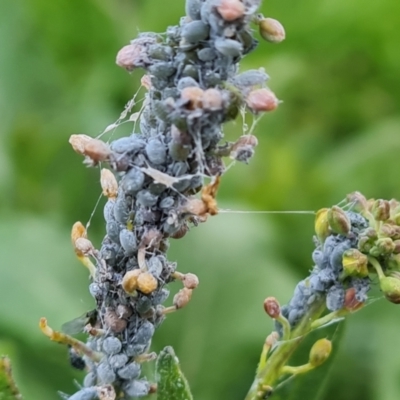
pixel 128 241
pixel 316 283
pixel 146 199
pixel 186 82
pixel 326 276
pixel 89 393
pixel 318 257
pixel 196 181
pixel 144 334
pixel 182 185
pixel 161 109
pixel 105 373
pixel 162 70
pixel 137 388
pixel 211 78
pixel 160 296
pixel 228 47
pixel 109 252
pixel 195 31
pixel 132 181
pixel 111 345
pixel 95 290
pixel 337 254
pixel 295 315
pixel 159 52
pixel 192 71
pixel 156 151
pixel 133 350
pixel 123 145
pixel 335 298
pixel 90 379
pixel 112 229
pixel 143 305
pixel 167 202
pixel 206 54
pixel 121 209
pixel 192 8
pixel 178 168
pixel 251 77
pixel 156 188
pixel 179 151
pixel 130 371
pixel 118 360
pixel 155 266
pixel 108 211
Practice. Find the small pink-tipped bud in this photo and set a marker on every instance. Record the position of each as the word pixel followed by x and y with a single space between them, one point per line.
pixel 271 30
pixel 358 201
pixel 83 247
pixel 190 281
pixel 272 339
pixel 130 57
pixel 338 221
pixel 193 95
pixel 212 99
pixel 79 142
pixel 87 146
pixel 230 10
pixel 272 307
pixel 320 352
pixel 382 247
pixel 108 183
pixel 350 301
pixel 77 231
pixel 182 298
pixel 260 100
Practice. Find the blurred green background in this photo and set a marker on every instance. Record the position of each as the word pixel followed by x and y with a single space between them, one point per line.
pixel 337 131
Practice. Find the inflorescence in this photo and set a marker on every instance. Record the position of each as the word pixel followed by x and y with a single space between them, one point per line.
pixel 193 87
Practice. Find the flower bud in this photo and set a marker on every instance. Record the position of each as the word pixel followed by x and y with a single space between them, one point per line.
pixel 230 10
pixel 212 99
pixel 83 247
pixel 272 307
pixel 382 247
pixel 338 221
pixel 193 96
pixel 146 283
pixel 259 100
pixel 350 300
pixel 271 30
pixel 390 230
pixel 190 281
pixel 108 183
pixel 354 263
pixel 182 298
pixel 129 281
pixel 390 287
pixel 321 224
pixel 131 56
pixel 78 143
pixel 358 202
pixel 78 231
pixel 320 352
pixel 381 210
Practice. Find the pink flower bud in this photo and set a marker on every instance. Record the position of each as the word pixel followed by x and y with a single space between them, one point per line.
pixel 262 100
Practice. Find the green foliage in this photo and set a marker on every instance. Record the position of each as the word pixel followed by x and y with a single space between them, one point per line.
pixel 337 131
pixel 171 383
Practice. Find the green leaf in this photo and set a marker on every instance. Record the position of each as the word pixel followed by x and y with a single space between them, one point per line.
pixel 172 384
pixel 8 388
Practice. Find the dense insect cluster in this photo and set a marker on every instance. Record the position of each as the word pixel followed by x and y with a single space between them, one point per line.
pixel 155 185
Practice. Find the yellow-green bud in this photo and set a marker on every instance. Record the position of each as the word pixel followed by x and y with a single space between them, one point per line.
pixel 321 224
pixel 354 263
pixel 393 262
pixel 390 230
pixel 338 221
pixel 390 287
pixel 382 247
pixel 320 352
pixel 381 210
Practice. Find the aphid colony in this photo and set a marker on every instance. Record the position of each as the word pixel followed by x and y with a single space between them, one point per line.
pixel 193 88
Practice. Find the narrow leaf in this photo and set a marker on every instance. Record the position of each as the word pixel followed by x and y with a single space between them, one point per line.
pixel 171 383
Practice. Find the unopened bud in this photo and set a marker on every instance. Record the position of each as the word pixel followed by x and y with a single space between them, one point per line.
pixel 382 247
pixel 79 142
pixel 108 183
pixel 272 339
pixel 182 298
pixel 390 230
pixel 190 281
pixel 354 263
pixel 146 283
pixel 393 262
pixel 83 247
pixel 390 287
pixel 146 81
pixel 193 95
pixel 321 224
pixel 230 10
pixel 260 100
pixel 350 300
pixel 381 210
pixel 271 30
pixel 272 307
pixel 212 99
pixel 358 202
pixel 129 281
pixel 131 56
pixel 338 221
pixel 78 231
pixel 320 352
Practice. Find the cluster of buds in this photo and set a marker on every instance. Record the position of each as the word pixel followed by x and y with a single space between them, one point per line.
pixel 155 185
pixel 355 244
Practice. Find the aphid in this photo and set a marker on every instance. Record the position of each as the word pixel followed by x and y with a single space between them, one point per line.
pixel 89 393
pixel 162 70
pixel 252 77
pixel 78 324
pixel 130 371
pixel 193 8
pixel 75 359
pixel 228 47
pixel 146 198
pixel 335 298
pixel 118 360
pixel 195 31
pixel 138 388
pixel 156 151
pixel 112 229
pixel 186 82
pixel 132 181
pixel 128 241
pixel 89 380
pixel 121 209
pixel 111 345
pixel 105 373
